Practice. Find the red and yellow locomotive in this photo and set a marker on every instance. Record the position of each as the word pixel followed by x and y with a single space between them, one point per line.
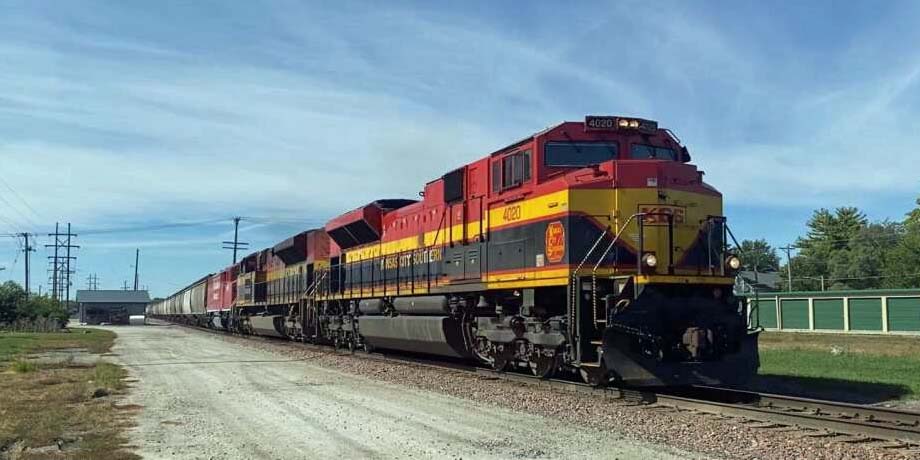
pixel 591 247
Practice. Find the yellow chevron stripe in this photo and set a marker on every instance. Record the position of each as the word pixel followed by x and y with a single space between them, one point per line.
pixel 610 206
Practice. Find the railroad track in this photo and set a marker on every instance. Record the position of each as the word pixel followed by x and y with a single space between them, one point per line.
pixel 895 429
pixel 843 422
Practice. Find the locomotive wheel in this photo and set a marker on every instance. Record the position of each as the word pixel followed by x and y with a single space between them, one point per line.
pixel 351 346
pixel 593 376
pixel 544 366
pixel 501 359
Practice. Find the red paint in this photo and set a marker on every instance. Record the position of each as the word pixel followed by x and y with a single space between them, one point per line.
pixel 220 290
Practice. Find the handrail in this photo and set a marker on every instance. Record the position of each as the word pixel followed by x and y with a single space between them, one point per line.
pixel 315 284
pixel 574 295
pixel 601 260
pixel 726 233
pixel 615 239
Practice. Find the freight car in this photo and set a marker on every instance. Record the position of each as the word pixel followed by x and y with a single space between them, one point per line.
pixel 591 247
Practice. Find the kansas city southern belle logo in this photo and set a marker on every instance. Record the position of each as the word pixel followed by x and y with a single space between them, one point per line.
pixel 555 242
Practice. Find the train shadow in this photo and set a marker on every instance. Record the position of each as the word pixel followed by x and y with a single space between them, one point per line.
pixel 828 388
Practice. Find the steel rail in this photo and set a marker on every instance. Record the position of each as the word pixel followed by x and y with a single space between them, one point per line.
pixel 839 418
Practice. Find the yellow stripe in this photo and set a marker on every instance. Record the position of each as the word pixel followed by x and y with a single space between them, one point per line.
pixel 524 210
pixel 676 279
pixel 527 275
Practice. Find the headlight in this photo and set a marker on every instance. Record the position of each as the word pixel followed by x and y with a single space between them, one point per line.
pixel 733 262
pixel 650 260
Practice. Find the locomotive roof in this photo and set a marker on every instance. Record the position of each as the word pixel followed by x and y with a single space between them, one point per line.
pixel 528 138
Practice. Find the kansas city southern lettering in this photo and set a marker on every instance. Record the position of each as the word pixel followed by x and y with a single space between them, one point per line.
pixel 555 242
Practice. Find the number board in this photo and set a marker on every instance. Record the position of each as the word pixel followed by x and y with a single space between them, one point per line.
pixel 598 123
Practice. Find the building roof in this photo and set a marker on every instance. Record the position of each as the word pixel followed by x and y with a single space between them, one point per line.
pixel 113 296
pixel 769 280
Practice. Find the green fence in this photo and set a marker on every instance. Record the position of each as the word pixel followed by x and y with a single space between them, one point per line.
pixel 871 311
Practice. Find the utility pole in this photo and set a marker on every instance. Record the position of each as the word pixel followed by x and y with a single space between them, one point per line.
pixel 60 263
pixel 27 250
pixel 137 259
pixel 68 272
pixel 92 282
pixel 55 263
pixel 236 243
pixel 125 286
pixel 788 250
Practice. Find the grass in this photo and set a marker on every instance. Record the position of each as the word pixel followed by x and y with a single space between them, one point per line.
pixel 60 407
pixel 22 366
pixel 860 368
pixel 92 340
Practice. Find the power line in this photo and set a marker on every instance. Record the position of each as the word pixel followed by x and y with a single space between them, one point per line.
pixel 21 199
pixel 26 249
pixel 11 226
pixel 848 278
pixel 894 236
pixel 285 220
pixel 25 218
pixel 152 227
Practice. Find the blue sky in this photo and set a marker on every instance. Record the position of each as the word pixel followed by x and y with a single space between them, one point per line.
pixel 134 114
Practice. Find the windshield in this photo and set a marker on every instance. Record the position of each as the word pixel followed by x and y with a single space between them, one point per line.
pixel 650 152
pixel 580 154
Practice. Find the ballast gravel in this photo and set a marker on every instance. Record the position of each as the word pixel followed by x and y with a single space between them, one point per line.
pixel 200 396
pixel 685 430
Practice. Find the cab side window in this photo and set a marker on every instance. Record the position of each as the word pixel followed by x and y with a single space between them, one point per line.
pixel 511 171
pixel 650 152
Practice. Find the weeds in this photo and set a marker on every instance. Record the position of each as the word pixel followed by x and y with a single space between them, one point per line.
pixel 22 366
pixel 108 375
pixel 61 402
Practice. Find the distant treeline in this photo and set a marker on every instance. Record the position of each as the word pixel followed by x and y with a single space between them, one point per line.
pixel 29 313
pixel 843 250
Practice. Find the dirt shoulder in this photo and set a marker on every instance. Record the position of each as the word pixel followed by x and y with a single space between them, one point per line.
pixel 58 399
pixel 206 396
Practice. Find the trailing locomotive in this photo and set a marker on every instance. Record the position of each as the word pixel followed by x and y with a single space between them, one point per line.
pixel 591 247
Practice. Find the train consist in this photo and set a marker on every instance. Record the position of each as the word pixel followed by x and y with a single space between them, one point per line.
pixel 592 248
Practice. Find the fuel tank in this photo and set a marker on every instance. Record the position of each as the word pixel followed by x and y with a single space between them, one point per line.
pixel 435 335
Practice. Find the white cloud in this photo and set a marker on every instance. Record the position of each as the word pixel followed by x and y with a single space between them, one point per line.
pixel 301 111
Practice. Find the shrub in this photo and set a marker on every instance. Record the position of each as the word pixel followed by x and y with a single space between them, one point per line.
pixel 22 366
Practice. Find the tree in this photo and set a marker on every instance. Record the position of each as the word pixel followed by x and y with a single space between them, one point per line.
pixel 42 307
pixel 11 295
pixel 758 255
pixel 14 305
pixel 902 263
pixel 863 264
pixel 826 246
pixel 913 217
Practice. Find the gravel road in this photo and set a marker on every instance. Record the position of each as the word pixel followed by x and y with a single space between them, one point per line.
pixel 212 397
